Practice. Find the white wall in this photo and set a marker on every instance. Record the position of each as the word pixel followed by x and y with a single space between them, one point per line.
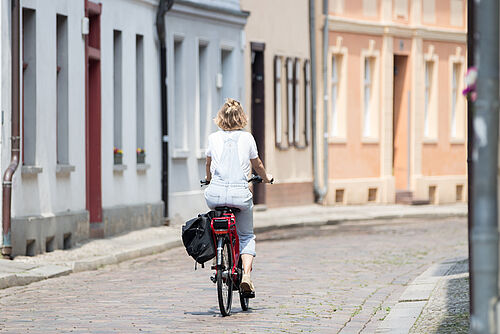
pixel 131 186
pixel 220 31
pixel 46 193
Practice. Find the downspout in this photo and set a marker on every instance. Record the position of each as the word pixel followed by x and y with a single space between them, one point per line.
pixel 319 192
pixel 14 161
pixel 163 7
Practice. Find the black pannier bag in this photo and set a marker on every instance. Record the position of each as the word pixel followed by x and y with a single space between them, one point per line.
pixel 198 238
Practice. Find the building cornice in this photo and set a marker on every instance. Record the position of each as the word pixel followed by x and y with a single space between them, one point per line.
pixel 396 30
pixel 210 12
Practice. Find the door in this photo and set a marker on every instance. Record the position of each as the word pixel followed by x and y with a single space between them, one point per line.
pixel 93 119
pixel 258 113
pixel 401 123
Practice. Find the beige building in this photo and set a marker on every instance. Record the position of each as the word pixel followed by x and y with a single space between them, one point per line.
pixel 278 97
pixel 396 116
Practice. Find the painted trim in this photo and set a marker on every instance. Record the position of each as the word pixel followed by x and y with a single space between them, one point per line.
pixel 338 24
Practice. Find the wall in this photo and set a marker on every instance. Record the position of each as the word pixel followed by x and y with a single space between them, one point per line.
pixel 269 23
pixel 219 29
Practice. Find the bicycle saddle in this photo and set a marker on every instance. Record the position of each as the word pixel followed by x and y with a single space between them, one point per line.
pixel 227 209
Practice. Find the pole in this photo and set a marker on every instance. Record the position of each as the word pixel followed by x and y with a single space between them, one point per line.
pixel 470 145
pixel 485 160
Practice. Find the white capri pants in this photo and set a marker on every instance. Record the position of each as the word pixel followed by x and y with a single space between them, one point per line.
pixel 236 196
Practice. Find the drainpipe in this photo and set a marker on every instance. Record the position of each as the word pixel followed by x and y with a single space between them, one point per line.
pixel 163 7
pixel 14 161
pixel 485 169
pixel 319 192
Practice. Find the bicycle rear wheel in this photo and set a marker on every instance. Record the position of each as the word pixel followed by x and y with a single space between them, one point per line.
pixel 244 301
pixel 224 279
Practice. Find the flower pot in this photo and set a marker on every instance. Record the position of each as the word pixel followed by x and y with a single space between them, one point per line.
pixel 141 157
pixel 118 158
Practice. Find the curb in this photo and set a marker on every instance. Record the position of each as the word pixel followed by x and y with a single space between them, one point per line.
pixel 54 270
pixel 325 222
pixel 405 313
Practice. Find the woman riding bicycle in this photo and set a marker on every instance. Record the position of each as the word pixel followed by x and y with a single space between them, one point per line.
pixel 230 153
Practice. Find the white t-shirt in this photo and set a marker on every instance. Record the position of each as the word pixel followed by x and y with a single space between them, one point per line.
pixel 247 149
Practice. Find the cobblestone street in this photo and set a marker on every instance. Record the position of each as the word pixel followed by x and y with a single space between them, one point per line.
pixel 331 279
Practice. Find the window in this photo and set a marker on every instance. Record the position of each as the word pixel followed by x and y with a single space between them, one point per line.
pixel 457 117
pixel 62 91
pixel 117 89
pixel 307 99
pixel 29 87
pixel 429 11
pixel 367 97
pixel 334 81
pixel 228 83
pixel 457 13
pixel 431 84
pixel 278 105
pixel 180 121
pixel 139 86
pixel 289 98
pixel 454 97
pixel 401 9
pixel 297 105
pixel 428 79
pixel 203 94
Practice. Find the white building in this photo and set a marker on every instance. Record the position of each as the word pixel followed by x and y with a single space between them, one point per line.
pixel 81 100
pixel 205 43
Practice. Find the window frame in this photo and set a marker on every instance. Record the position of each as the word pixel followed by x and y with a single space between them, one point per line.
pixel 430 125
pixel 373 109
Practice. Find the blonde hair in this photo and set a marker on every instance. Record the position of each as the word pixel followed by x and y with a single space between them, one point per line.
pixel 231 116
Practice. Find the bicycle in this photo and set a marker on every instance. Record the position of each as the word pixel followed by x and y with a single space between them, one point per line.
pixel 228 266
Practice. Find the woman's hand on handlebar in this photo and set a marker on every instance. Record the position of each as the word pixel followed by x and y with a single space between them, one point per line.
pixel 270 178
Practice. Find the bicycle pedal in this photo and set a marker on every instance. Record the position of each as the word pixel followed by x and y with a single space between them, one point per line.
pixel 213 279
pixel 248 294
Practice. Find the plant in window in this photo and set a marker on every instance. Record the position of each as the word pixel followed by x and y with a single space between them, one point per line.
pixel 141 155
pixel 118 156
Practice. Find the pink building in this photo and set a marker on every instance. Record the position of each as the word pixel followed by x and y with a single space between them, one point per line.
pixel 397 119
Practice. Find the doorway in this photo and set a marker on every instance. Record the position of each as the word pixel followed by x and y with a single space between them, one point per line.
pixel 258 112
pixel 93 119
pixel 401 123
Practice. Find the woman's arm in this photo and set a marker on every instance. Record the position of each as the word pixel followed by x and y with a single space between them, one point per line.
pixel 258 166
pixel 207 168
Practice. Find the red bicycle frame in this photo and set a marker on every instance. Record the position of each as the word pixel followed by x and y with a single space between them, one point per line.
pixel 226 225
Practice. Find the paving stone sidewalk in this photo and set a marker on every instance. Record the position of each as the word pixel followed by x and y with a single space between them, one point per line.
pixel 94 254
pixel 435 302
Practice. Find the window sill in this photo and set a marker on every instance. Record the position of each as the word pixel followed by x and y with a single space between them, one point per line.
pixel 337 140
pixel 142 168
pixel 119 168
pixel 64 169
pixel 201 154
pixel 369 140
pixel 180 154
pixel 31 170
pixel 457 141
pixel 430 141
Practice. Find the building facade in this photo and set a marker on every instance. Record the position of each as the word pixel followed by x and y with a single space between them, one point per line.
pixel 397 118
pixel 205 43
pixel 90 99
pixel 278 97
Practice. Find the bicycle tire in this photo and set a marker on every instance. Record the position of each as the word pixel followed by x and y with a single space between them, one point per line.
pixel 224 280
pixel 244 302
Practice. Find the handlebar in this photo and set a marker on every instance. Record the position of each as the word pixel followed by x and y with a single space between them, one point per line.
pixel 254 179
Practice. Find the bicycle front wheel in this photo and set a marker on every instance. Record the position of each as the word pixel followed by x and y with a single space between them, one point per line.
pixel 224 279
